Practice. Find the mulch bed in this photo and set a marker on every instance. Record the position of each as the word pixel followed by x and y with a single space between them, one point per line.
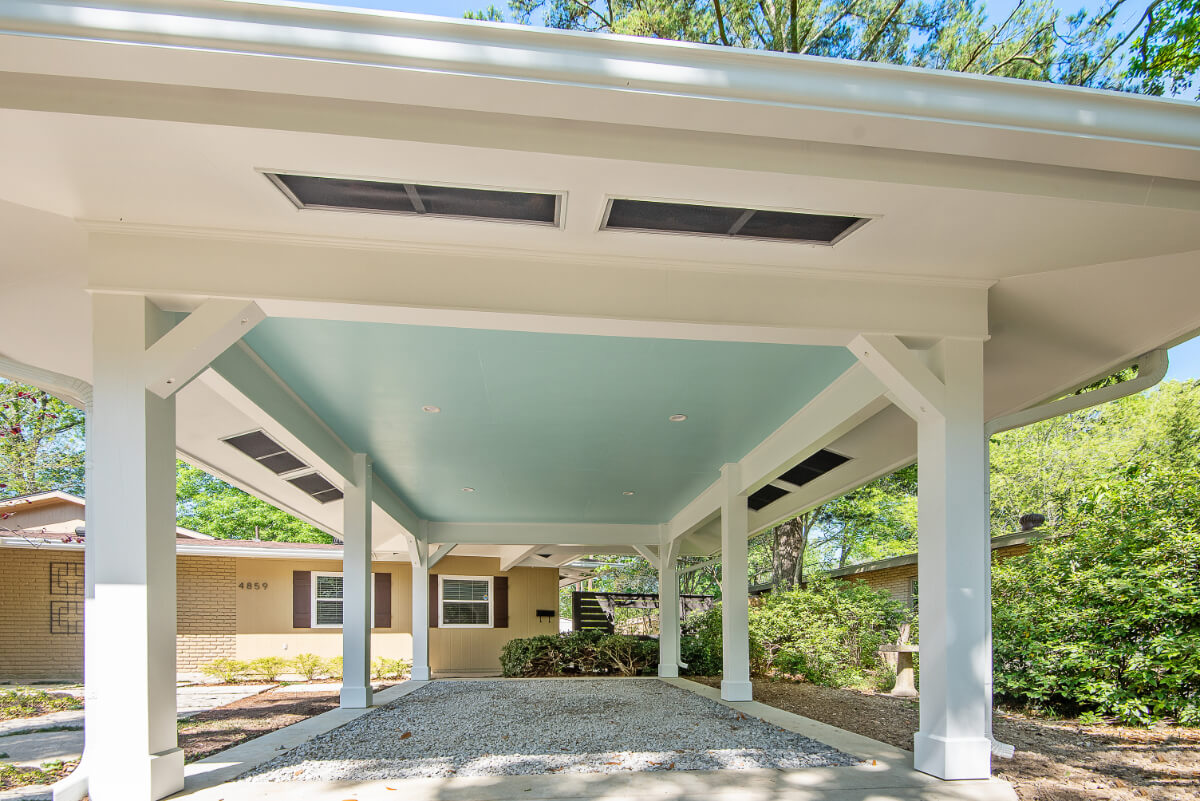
pixel 1055 760
pixel 206 733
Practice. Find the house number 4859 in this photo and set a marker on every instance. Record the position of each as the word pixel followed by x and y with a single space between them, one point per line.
pixel 252 585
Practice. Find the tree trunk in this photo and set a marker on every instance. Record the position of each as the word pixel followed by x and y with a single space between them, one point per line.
pixel 787 552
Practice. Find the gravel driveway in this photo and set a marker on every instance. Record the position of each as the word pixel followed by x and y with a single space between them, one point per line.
pixel 487 728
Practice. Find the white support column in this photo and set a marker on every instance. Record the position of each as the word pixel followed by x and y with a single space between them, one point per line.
pixel 668 609
pixel 418 551
pixel 356 587
pixel 953 552
pixel 735 589
pixel 129 639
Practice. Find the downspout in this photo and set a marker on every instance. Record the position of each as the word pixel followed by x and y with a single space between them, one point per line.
pixel 77 393
pixel 1152 368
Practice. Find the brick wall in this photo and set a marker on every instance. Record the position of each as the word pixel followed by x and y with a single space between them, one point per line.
pixel 41 614
pixel 897 581
pixel 206 615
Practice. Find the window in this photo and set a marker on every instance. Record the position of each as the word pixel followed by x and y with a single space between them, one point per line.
pixel 327 600
pixel 912 594
pixel 465 602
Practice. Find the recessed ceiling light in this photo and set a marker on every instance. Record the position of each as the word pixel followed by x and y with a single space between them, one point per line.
pixel 468 489
pixel 430 409
pixel 677 418
pixel 628 492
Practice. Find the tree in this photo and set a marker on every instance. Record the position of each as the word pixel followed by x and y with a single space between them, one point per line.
pixel 1166 48
pixel 41 442
pixel 210 506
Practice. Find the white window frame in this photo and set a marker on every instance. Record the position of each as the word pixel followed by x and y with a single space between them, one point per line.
pixel 312 594
pixel 491 603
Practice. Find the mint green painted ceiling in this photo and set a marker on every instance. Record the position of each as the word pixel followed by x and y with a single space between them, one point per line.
pixel 544 427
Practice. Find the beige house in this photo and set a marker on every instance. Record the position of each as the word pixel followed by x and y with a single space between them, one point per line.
pixel 246 599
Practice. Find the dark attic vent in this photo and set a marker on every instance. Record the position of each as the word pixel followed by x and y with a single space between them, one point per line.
pixel 266 451
pixel 813 467
pixel 315 485
pixel 731 221
pixel 383 197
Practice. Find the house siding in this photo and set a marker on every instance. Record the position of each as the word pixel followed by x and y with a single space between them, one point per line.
pixel 897 581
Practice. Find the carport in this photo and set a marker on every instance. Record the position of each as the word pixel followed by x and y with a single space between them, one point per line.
pixel 527 294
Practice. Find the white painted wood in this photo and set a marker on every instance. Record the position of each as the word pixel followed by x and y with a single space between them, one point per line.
pixel 64 387
pixel 668 608
pixel 735 589
pixel 700 511
pixel 544 533
pixel 130 616
pixel 648 553
pixel 419 553
pixel 356 587
pixel 442 550
pixel 188 348
pixel 394 507
pixel 913 385
pixel 513 555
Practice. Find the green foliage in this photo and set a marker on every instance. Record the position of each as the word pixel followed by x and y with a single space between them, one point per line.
pixel 1166 48
pixel 209 505
pixel 700 645
pixel 49 772
pixel 579 653
pixel 23 702
pixel 384 668
pixel 333 668
pixel 308 665
pixel 269 668
pixel 227 671
pixel 1107 620
pixel 41 442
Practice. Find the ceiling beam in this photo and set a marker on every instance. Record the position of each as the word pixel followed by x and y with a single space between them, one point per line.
pixel 513 555
pixel 187 349
pixel 441 551
pixel 914 386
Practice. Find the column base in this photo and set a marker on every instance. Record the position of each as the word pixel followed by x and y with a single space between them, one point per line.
pixel 668 671
pixel 356 697
pixel 952 758
pixel 150 777
pixel 419 673
pixel 737 691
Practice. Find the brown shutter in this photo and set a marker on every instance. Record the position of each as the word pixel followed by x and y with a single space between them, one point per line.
pixel 433 601
pixel 500 602
pixel 383 600
pixel 301 599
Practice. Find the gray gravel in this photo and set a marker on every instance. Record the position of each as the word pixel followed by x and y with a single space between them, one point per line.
pixel 489 728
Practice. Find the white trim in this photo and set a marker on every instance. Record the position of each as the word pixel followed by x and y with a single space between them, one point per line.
pixel 491 602
pixel 312 595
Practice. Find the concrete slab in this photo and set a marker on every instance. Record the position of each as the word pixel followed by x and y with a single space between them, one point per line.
pixel 195 698
pixel 70 717
pixel 34 749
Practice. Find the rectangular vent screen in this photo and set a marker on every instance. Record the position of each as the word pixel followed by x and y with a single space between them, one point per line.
pixel 690 218
pixel 346 194
pixel 266 451
pixel 813 467
pixel 315 485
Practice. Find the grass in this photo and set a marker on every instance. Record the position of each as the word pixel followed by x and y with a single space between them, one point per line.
pixel 12 776
pixel 28 703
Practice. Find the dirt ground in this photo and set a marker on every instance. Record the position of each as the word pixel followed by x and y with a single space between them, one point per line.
pixel 1055 760
pixel 208 732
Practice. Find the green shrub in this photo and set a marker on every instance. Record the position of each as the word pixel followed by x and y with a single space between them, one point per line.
pixel 268 668
pixel 227 671
pixel 333 668
pixel 1107 620
pixel 308 665
pixel 27 703
pixel 700 646
pixel 384 668
pixel 579 653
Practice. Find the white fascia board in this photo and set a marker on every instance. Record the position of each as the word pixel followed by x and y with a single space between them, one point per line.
pixel 907 105
pixel 544 533
pixel 854 397
pixel 458 287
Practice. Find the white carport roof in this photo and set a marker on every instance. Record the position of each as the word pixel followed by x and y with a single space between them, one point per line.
pixel 1062 225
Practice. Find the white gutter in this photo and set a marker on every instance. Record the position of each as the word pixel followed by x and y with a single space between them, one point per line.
pixel 1152 368
pixel 67 389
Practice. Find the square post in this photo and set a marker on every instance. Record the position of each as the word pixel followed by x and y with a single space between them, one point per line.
pixel 668 610
pixel 129 638
pixel 952 567
pixel 419 555
pixel 735 589
pixel 356 588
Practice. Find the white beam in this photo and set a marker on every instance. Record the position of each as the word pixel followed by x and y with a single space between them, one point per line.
pixel 701 510
pixel 442 550
pixel 914 386
pixel 513 555
pixel 356 587
pixel 395 508
pixel 855 396
pixel 735 590
pixel 668 608
pixel 647 553
pixel 188 348
pixel 544 533
pixel 419 622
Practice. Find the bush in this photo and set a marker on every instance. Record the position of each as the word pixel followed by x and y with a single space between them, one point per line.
pixel 700 646
pixel 586 653
pixel 268 668
pixel 308 665
pixel 333 668
pixel 1107 620
pixel 384 668
pixel 27 703
pixel 227 671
